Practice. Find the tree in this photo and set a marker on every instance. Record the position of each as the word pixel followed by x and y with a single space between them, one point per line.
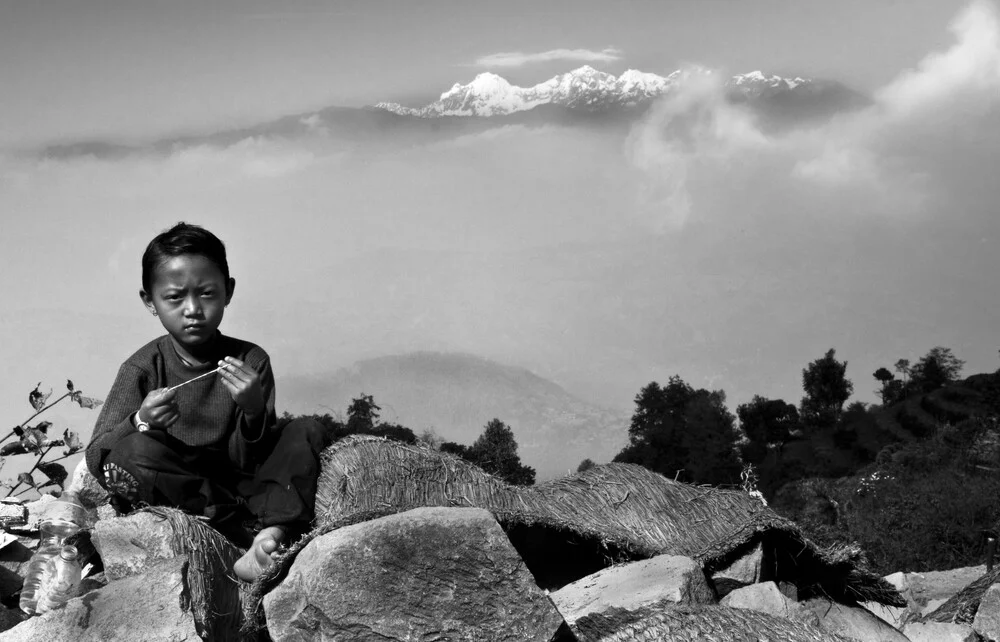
pixel 362 414
pixel 676 429
pixel 710 439
pixel 495 451
pixel 885 378
pixel 827 388
pixel 935 369
pixel 767 421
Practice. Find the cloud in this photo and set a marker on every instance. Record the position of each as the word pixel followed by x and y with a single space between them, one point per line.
pixel 922 146
pixel 519 59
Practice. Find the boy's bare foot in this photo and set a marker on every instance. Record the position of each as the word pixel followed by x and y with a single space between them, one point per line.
pixel 261 553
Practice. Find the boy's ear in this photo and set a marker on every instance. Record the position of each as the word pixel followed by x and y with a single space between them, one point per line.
pixel 230 287
pixel 147 301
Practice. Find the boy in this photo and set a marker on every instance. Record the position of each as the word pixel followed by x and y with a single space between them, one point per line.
pixel 211 447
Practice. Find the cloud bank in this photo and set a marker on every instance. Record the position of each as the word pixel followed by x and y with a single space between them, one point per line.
pixel 519 59
pixel 913 152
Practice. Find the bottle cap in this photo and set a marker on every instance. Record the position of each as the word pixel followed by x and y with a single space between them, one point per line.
pixel 68 553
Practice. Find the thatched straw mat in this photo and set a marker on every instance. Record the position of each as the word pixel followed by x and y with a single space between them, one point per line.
pixel 668 622
pixel 628 509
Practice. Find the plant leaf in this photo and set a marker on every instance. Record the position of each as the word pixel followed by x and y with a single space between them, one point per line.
pixel 86 402
pixel 72 442
pixel 33 439
pixel 13 448
pixel 54 471
pixel 37 398
pixel 26 478
pixel 69 385
pixel 43 427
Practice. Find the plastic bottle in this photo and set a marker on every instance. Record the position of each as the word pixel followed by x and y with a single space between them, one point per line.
pixel 60 580
pixel 63 520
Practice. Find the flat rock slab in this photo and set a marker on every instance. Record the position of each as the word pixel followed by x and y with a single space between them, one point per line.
pixel 426 574
pixel 152 607
pixel 939 632
pixel 851 621
pixel 743 571
pixel 764 598
pixel 673 578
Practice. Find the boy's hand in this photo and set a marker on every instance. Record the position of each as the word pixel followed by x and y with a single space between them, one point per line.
pixel 243 384
pixel 158 409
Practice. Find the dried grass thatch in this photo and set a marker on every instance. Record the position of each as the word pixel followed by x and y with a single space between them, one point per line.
pixel 668 622
pixel 216 596
pixel 629 510
pixel 963 606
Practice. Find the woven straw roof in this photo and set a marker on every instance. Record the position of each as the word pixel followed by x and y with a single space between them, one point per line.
pixel 963 606
pixel 667 622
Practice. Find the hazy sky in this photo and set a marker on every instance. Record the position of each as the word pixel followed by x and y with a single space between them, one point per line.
pixel 597 258
pixel 126 68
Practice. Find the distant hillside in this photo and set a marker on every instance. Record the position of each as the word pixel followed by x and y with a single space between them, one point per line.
pixel 457 394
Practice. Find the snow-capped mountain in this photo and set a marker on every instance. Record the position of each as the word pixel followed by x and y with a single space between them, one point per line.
pixel 584 88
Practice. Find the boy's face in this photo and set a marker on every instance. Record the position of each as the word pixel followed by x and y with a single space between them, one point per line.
pixel 189 295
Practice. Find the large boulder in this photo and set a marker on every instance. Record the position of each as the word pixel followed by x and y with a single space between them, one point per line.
pixel 130 545
pixel 86 487
pixel 987 621
pixel 851 622
pixel 428 573
pixel 672 578
pixel 149 607
pixel 745 570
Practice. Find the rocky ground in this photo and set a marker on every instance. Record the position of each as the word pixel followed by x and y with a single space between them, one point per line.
pixel 437 573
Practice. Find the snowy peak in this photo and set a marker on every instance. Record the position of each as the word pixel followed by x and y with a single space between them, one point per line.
pixel 583 88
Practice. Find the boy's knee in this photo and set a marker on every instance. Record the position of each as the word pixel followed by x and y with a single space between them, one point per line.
pixel 137 449
pixel 308 430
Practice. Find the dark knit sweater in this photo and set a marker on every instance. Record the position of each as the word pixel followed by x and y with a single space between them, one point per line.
pixel 208 415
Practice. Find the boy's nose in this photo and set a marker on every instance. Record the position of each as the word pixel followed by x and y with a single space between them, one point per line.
pixel 192 307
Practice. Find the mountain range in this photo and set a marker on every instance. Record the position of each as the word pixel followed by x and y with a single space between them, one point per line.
pixel 456 394
pixel 584 96
pixel 586 88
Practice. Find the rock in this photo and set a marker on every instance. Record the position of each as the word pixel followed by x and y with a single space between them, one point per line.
pixel 9 618
pixel 895 616
pixel 941 585
pixel 789 590
pixel 851 622
pixel 939 632
pixel 149 607
pixel 987 621
pixel 84 484
pixel 130 545
pixel 12 513
pixel 10 582
pixel 16 556
pixel 766 597
pixel 743 571
pixel 428 573
pixel 673 578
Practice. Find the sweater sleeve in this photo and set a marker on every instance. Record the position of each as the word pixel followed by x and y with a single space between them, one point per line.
pixel 115 421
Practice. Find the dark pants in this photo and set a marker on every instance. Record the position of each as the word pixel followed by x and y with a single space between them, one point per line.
pixel 236 497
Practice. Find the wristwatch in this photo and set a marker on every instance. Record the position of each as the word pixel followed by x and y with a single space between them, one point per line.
pixel 140 425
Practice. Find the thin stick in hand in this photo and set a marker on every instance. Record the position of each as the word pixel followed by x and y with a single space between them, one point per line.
pixel 195 379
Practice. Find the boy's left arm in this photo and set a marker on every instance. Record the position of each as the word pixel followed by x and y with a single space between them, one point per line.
pixel 253 390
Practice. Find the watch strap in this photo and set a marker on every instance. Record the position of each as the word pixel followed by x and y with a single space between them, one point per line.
pixel 140 425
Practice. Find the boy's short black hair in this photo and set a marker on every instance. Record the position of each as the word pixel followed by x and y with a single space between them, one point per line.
pixel 183 238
